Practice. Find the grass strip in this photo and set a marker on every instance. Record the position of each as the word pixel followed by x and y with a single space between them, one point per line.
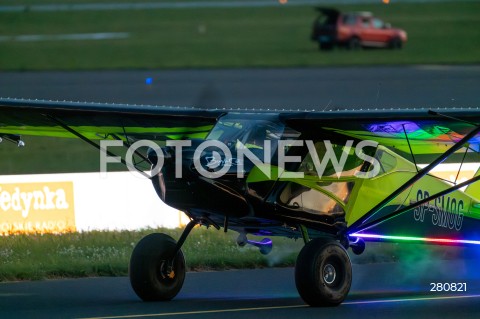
pixel 107 253
pixel 240 37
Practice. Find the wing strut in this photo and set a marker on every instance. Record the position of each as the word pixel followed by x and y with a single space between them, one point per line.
pixel 461 164
pixel 358 224
pixel 410 147
pixel 136 152
pixel 86 139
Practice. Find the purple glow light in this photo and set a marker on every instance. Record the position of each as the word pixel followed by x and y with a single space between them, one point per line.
pixel 421 239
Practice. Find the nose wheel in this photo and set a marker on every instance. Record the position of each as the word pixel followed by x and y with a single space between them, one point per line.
pixel 156 272
pixel 323 273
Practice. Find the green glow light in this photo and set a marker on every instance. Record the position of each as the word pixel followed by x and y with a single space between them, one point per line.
pixel 418 239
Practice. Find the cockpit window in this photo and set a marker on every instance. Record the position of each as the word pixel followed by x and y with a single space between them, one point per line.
pixel 387 161
pixel 225 130
pixel 252 134
pixel 351 165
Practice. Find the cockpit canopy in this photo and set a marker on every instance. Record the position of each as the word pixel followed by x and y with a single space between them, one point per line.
pixel 237 132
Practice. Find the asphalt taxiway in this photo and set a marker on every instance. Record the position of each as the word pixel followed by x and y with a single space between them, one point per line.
pixel 381 290
pixel 329 88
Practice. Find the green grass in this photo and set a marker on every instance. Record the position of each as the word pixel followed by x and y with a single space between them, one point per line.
pixel 240 37
pixel 104 253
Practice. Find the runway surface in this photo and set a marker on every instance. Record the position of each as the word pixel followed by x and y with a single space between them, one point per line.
pixel 321 88
pixel 378 291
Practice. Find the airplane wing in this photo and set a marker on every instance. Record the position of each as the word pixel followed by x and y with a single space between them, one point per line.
pixel 411 130
pixel 97 121
pixel 417 131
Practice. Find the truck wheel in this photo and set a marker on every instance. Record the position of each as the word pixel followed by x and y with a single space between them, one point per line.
pixel 353 43
pixel 325 46
pixel 395 43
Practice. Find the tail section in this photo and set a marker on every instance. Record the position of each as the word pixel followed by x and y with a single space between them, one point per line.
pixel 474 189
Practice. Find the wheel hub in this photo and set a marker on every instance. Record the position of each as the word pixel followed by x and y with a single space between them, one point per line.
pixel 166 270
pixel 329 274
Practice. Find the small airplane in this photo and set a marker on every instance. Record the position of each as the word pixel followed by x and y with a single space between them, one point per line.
pixel 336 179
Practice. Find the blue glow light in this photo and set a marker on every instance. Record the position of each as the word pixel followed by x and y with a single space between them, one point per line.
pixel 411 238
pixel 148 81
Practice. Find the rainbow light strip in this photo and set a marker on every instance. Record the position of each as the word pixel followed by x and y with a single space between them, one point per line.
pixel 422 239
pixel 426 131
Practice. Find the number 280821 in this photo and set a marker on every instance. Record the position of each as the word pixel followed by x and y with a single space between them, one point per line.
pixel 448 286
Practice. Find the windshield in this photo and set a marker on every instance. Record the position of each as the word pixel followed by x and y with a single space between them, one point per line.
pixel 238 133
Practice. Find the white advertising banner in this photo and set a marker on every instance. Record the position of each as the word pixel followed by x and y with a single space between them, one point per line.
pixel 82 202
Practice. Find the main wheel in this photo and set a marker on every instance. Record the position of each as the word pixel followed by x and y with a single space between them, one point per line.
pixel 323 273
pixel 155 274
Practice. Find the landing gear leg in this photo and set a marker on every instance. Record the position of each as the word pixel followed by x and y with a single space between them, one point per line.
pixel 157 266
pixel 323 273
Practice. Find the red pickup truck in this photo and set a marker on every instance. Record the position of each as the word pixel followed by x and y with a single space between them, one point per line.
pixel 354 30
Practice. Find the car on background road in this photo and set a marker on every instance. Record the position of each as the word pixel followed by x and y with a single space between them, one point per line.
pixel 354 30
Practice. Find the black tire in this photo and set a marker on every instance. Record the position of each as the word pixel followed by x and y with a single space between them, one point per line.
pixel 358 247
pixel 395 43
pixel 325 46
pixel 323 273
pixel 151 268
pixel 353 43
